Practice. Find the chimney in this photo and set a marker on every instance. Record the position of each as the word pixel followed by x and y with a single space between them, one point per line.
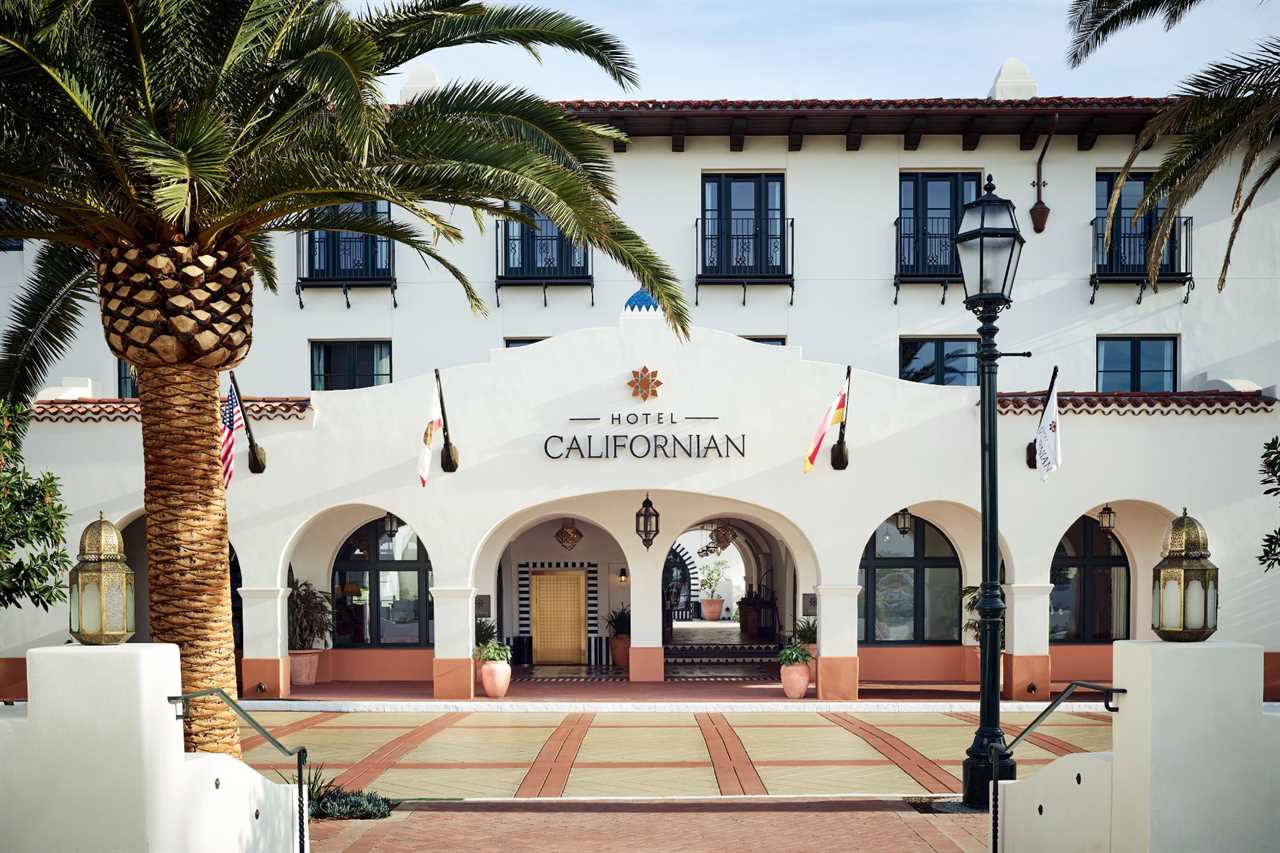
pixel 1013 82
pixel 418 79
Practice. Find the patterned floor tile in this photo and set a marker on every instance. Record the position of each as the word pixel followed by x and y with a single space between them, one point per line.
pixel 1088 738
pixel 628 718
pixel 884 779
pixel 774 719
pixel 912 718
pixel 642 782
pixel 498 718
pixel 833 743
pixel 944 743
pixel 645 745
pixel 378 718
pixel 402 784
pixel 462 745
pixel 323 746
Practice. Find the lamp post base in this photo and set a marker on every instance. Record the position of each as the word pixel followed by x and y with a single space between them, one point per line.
pixel 977 777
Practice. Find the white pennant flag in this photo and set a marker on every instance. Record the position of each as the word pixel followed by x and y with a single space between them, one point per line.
pixel 1049 433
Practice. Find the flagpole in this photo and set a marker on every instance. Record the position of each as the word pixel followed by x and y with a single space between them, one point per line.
pixel 1048 395
pixel 839 450
pixel 449 453
pixel 257 455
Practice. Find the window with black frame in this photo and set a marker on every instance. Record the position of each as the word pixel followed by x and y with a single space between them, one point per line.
pixel 1138 364
pixel 382 588
pixel 539 251
pixel 938 361
pixel 1089 602
pixel 351 256
pixel 343 365
pixel 929 209
pixel 1130 231
pixel 742 231
pixel 911 584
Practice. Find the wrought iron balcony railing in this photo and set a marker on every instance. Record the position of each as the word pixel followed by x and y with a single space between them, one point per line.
pixel 541 256
pixel 925 253
pixel 1124 261
pixel 744 251
pixel 345 260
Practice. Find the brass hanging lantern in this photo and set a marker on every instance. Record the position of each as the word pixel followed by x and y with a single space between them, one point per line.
pixel 101 588
pixel 722 536
pixel 1184 592
pixel 647 522
pixel 568 535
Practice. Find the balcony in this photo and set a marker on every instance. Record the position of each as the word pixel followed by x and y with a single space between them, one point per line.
pixel 744 251
pixel 346 261
pixel 1125 261
pixel 540 256
pixel 925 253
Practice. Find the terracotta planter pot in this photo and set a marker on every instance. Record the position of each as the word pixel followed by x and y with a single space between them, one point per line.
pixel 813 662
pixel 620 650
pixel 475 668
pixel 303 665
pixel 795 680
pixel 496 677
pixel 712 609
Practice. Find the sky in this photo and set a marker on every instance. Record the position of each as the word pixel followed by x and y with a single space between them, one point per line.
pixel 862 48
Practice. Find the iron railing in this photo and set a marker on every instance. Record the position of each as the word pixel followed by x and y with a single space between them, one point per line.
pixel 744 250
pixel 1108 693
pixel 345 260
pixel 1125 259
pixel 539 255
pixel 925 252
pixel 300 752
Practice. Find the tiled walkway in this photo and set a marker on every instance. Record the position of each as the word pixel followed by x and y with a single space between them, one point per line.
pixel 416 756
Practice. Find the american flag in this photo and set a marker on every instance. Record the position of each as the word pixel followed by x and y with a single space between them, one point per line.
pixel 232 419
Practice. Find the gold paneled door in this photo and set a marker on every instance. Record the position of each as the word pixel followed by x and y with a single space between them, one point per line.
pixel 558 601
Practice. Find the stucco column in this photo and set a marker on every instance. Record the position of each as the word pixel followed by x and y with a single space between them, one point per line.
pixel 1027 671
pixel 453 676
pixel 647 657
pixel 838 641
pixel 264 668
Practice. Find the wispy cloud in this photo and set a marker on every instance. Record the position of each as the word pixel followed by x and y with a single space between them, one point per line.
pixel 864 48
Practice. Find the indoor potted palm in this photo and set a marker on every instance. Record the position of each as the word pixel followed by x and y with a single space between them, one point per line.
pixel 807 633
pixel 495 668
pixel 620 637
pixel 310 622
pixel 709 577
pixel 794 660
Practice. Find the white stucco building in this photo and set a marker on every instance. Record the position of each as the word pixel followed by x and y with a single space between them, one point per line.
pixel 820 225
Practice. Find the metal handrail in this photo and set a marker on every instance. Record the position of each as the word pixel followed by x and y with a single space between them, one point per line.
pixel 299 751
pixel 1107 692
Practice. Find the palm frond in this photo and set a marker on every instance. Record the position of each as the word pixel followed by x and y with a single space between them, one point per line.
pixel 44 319
pixel 1092 22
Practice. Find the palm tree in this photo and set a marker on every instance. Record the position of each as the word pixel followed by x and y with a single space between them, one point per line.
pixel 154 145
pixel 1228 110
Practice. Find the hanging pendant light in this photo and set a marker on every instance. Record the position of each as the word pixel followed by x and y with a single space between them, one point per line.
pixel 390 524
pixel 903 520
pixel 1107 518
pixel 568 535
pixel 647 522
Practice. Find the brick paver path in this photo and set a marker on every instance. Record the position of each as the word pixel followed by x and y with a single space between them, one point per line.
pixel 867 826
pixel 547 756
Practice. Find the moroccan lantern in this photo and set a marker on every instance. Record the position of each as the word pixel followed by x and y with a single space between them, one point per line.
pixel 101 588
pixel 1184 593
pixel 568 535
pixel 647 522
pixel 902 520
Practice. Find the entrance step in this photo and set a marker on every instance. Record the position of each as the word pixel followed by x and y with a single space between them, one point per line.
pixel 710 654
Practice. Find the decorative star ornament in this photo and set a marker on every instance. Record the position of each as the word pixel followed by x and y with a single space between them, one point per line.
pixel 644 383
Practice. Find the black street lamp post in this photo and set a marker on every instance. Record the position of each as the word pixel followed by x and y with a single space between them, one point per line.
pixel 989 245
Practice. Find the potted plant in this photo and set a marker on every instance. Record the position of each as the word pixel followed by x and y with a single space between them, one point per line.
pixel 619 622
pixel 310 622
pixel 486 632
pixel 807 633
pixel 709 577
pixel 495 668
pixel 794 660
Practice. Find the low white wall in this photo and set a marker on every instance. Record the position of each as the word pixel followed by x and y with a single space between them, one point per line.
pixel 97 765
pixel 1064 808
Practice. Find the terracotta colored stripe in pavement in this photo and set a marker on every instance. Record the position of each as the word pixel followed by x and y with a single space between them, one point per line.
pixel 925 771
pixel 1092 715
pixel 1045 742
pixel 288 729
pixel 384 757
pixel 550 770
pixel 748 778
pixel 726 777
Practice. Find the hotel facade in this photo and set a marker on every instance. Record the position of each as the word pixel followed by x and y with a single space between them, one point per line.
pixel 810 235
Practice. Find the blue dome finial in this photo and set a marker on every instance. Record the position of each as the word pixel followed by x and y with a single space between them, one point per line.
pixel 640 301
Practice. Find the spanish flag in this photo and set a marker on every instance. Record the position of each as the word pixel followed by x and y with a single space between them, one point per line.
pixel 834 417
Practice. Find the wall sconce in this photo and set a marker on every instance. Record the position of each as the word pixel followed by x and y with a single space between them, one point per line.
pixel 623 575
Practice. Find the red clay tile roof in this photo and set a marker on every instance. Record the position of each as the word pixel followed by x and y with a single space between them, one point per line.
pixel 941 104
pixel 89 410
pixel 1140 402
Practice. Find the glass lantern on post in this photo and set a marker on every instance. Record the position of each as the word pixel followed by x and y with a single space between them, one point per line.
pixel 101 588
pixel 1184 591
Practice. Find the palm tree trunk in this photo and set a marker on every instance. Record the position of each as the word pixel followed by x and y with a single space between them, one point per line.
pixel 189 585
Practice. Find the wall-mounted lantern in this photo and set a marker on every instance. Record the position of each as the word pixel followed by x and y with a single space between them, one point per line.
pixel 647 522
pixel 623 575
pixel 1184 592
pixel 101 588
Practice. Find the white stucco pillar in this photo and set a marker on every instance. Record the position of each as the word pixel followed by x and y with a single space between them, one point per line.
pixel 647 654
pixel 838 641
pixel 264 667
pixel 453 675
pixel 1027 669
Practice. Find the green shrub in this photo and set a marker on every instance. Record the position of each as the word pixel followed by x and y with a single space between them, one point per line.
pixel 807 631
pixel 620 622
pixel 327 801
pixel 494 651
pixel 486 632
pixel 793 653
